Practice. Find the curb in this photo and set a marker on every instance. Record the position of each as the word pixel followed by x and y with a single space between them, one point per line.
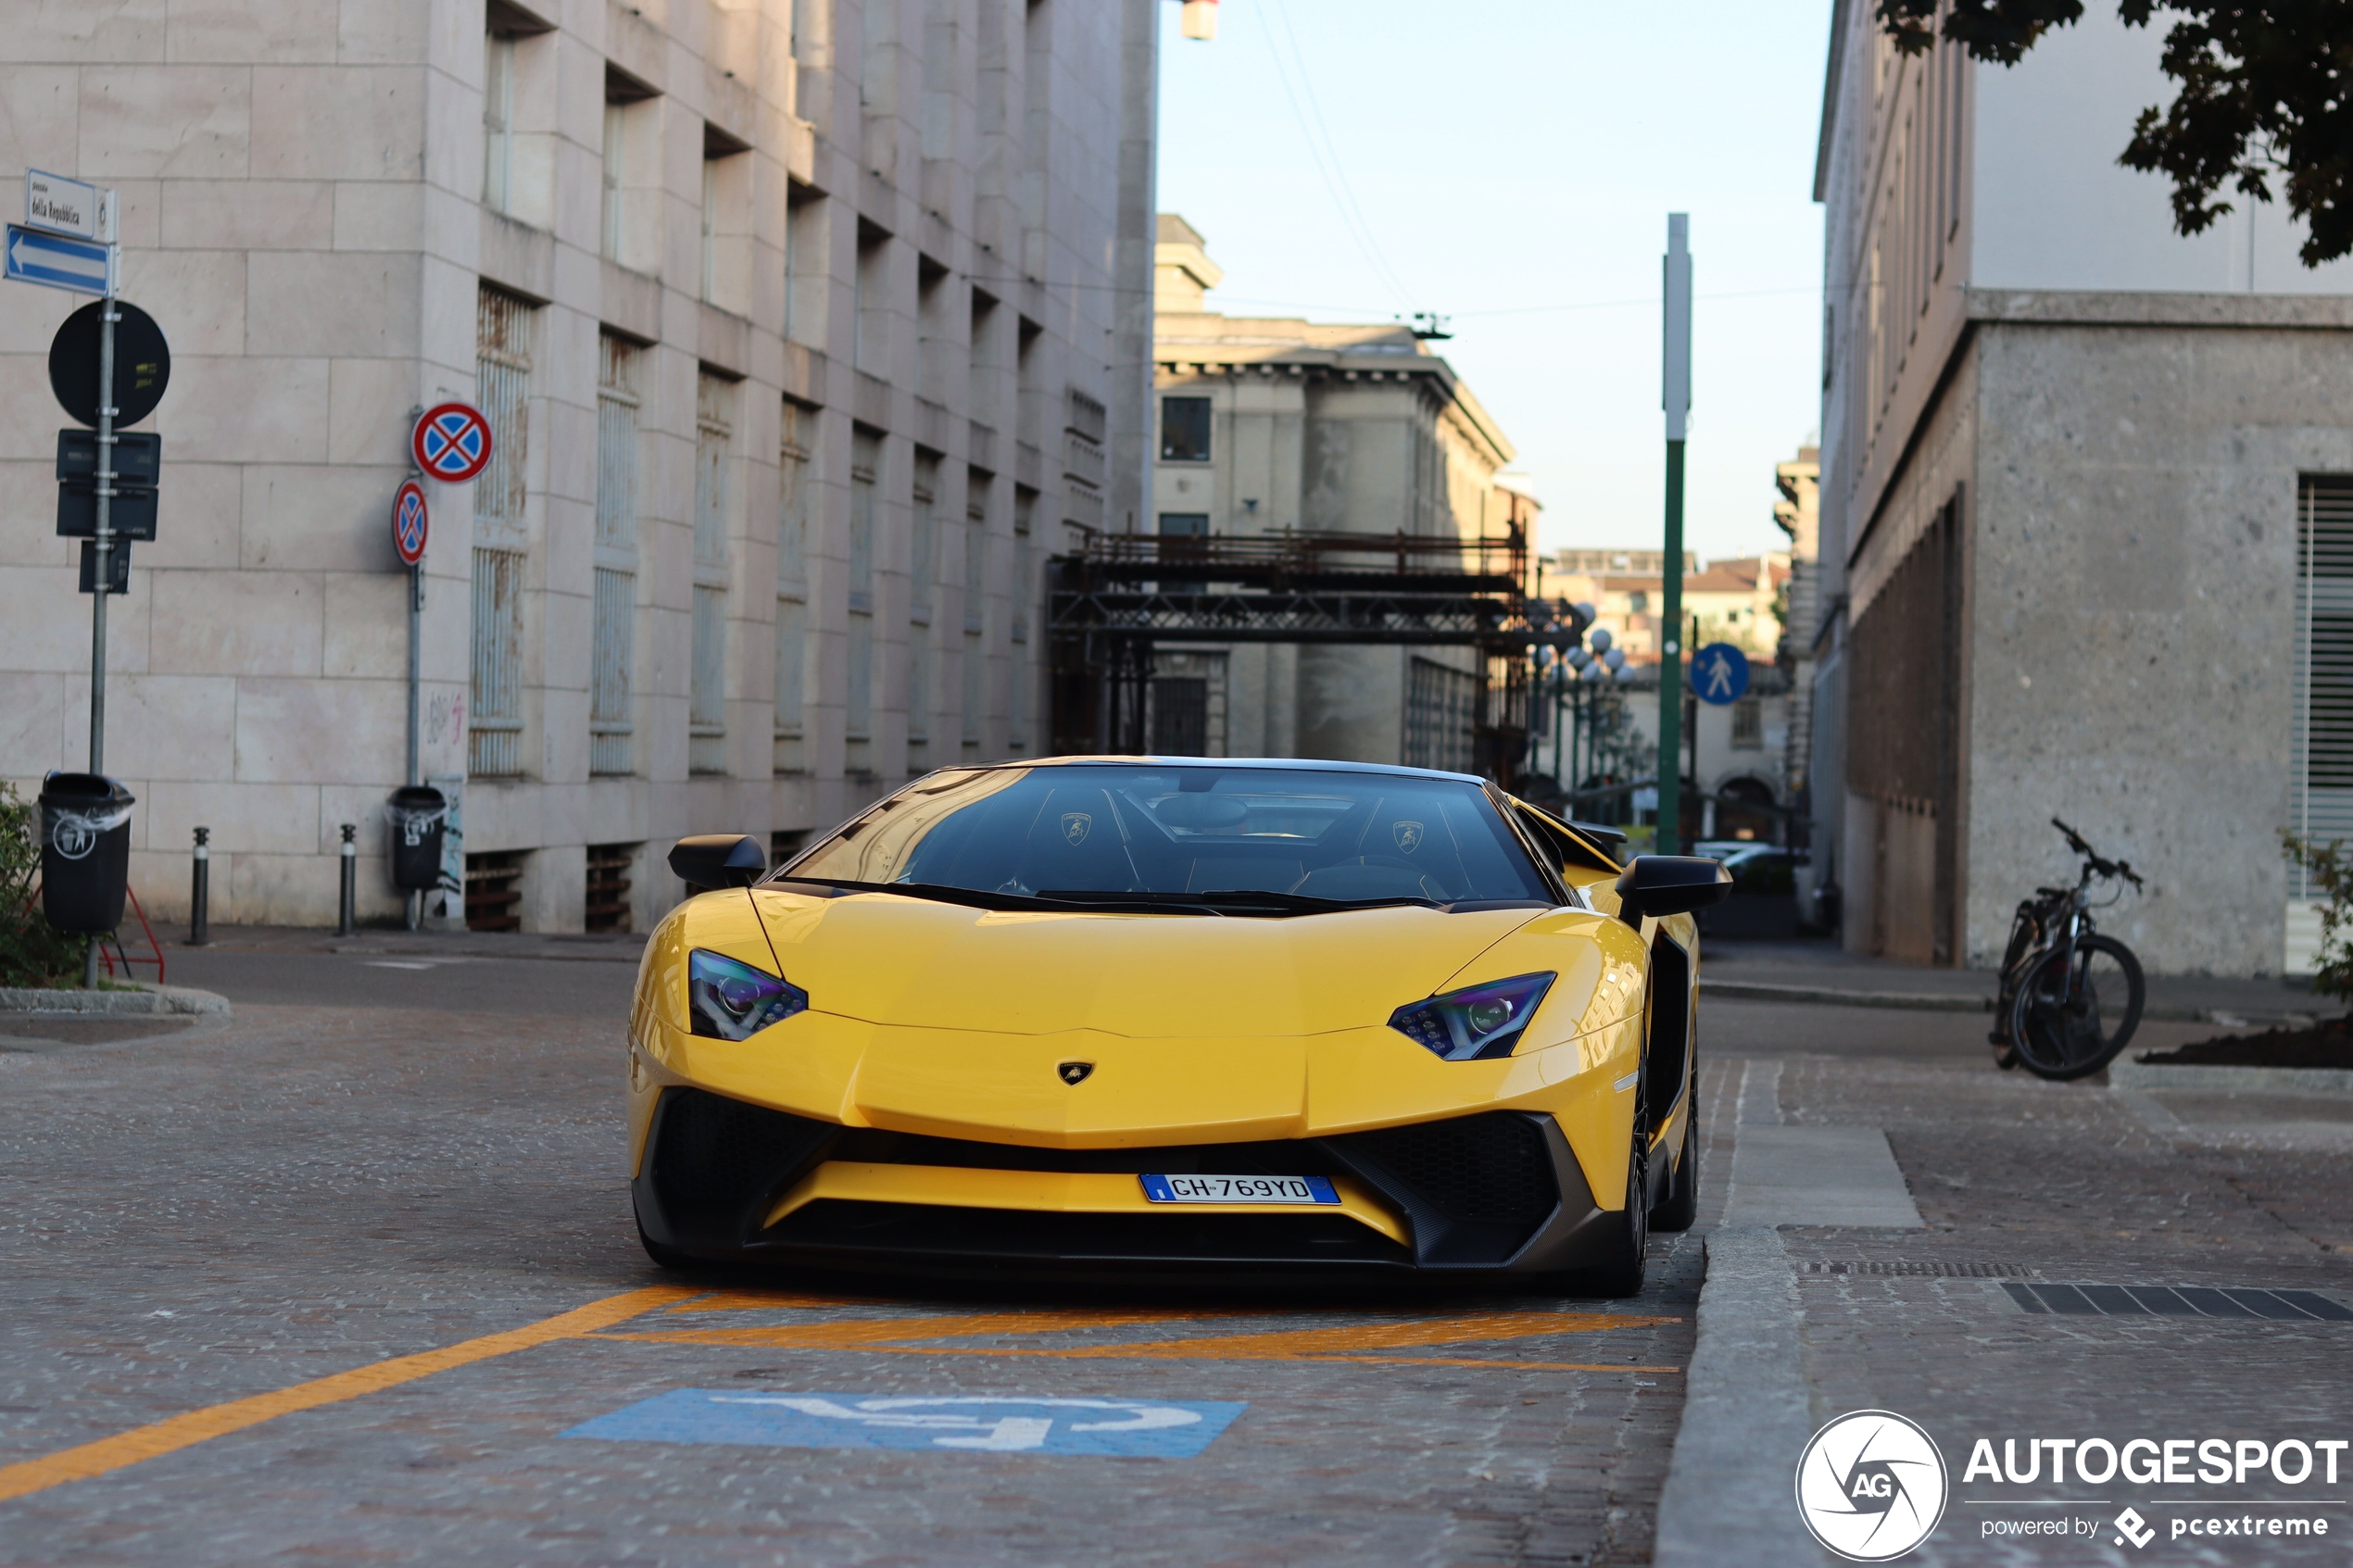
pixel 1917 1001
pixel 1924 1001
pixel 1729 1492
pixel 148 1000
pixel 2230 1079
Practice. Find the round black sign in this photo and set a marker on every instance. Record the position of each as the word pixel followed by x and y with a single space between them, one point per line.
pixel 141 364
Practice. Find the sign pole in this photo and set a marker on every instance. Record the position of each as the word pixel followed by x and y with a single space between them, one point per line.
pixel 102 577
pixel 1677 399
pixel 104 550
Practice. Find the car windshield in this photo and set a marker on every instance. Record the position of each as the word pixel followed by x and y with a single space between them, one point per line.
pixel 1265 840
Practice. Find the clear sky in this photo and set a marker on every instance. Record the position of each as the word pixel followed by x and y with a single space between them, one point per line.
pixel 1511 163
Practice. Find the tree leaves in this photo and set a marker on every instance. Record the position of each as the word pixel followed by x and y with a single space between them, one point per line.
pixel 2264 108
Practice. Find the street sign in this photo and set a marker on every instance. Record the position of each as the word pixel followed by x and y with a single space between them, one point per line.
pixel 451 443
pixel 408 521
pixel 138 457
pixel 118 566
pixel 1719 673
pixel 61 206
pixel 132 516
pixel 141 364
pixel 56 261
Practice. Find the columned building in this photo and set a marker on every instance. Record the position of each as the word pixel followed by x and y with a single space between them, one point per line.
pixel 2085 503
pixel 1273 424
pixel 805 328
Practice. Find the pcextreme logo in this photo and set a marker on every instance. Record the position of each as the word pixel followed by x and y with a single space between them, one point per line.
pixel 1872 1485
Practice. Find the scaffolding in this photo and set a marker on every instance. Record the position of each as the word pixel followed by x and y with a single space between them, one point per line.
pixel 1111 600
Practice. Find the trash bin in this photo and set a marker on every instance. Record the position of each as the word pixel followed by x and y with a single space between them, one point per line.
pixel 420 815
pixel 85 851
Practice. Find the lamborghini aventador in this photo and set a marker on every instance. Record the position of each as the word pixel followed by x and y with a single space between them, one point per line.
pixel 1135 1013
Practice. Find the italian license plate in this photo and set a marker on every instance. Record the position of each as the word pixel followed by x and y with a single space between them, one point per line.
pixel 1238 1189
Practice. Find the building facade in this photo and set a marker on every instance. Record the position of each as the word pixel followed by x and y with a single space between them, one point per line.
pixel 804 328
pixel 1269 425
pixel 2082 484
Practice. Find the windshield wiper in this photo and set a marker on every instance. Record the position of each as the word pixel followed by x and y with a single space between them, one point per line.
pixel 980 899
pixel 1238 900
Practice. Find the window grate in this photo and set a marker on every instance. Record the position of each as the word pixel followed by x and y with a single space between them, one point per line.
pixel 494 891
pixel 607 905
pixel 1441 713
pixel 494 733
pixel 611 734
pixel 2320 741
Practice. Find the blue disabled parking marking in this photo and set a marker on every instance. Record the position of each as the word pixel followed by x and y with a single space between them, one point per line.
pixel 957 1424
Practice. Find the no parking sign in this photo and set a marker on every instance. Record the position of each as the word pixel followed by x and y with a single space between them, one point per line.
pixel 408 521
pixel 451 443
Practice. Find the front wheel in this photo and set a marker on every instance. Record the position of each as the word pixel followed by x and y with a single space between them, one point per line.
pixel 1621 1272
pixel 1681 1206
pixel 2075 1011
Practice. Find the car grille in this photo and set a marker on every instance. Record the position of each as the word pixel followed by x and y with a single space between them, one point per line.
pixel 1475 1188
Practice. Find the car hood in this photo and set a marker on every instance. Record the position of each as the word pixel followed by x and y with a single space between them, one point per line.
pixel 915 962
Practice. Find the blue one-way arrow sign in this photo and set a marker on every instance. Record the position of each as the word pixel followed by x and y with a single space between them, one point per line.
pixel 55 260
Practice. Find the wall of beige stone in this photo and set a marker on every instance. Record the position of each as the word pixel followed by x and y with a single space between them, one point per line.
pixel 302 189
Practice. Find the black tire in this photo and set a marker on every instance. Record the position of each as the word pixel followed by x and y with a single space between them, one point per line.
pixel 1681 1206
pixel 2070 1019
pixel 1620 1272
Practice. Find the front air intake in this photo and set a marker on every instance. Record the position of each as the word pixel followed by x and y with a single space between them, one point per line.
pixel 1477 1188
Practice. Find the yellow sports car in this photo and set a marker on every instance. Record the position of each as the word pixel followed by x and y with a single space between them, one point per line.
pixel 1129 1013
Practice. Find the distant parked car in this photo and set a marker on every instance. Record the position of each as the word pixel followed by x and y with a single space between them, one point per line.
pixel 1764 900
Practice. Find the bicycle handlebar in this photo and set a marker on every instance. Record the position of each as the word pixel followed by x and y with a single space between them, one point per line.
pixel 2104 866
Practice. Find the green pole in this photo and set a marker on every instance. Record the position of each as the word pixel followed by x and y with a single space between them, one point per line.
pixel 1670 666
pixel 1675 396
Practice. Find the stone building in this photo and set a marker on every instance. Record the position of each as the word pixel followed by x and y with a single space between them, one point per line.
pixel 2082 490
pixel 804 328
pixel 1798 514
pixel 1268 425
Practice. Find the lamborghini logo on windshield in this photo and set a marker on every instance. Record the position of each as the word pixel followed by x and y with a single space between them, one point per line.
pixel 1075 1072
pixel 1075 827
pixel 1409 835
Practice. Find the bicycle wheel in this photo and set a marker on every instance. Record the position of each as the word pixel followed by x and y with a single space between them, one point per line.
pixel 2071 1018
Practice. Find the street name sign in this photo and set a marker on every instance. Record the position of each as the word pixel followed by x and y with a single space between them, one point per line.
pixel 56 261
pixel 409 518
pixel 451 443
pixel 141 364
pixel 61 206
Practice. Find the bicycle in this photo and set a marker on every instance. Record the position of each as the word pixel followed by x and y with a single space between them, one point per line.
pixel 2070 998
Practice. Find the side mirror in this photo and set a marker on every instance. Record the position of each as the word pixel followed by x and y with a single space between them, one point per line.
pixel 718 860
pixel 1658 886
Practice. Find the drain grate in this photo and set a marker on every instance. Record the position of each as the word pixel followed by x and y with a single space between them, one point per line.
pixel 2176 1301
pixel 1923 1270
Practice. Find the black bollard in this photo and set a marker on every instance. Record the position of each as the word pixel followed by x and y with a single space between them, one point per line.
pixel 347 922
pixel 200 892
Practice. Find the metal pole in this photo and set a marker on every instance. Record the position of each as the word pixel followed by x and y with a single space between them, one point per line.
pixel 102 550
pixel 348 908
pixel 1676 390
pixel 200 892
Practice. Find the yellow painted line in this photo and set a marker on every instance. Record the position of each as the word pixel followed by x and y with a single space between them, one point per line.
pixel 1116 1351
pixel 196 1426
pixel 861 1333
pixel 899 1335
pixel 769 1301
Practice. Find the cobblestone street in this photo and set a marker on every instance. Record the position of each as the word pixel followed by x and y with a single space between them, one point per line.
pixel 219 1212
pixel 335 1278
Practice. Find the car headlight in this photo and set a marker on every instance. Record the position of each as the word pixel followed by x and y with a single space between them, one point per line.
pixel 728 999
pixel 1476 1022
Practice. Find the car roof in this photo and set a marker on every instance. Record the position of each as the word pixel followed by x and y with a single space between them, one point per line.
pixel 1291 764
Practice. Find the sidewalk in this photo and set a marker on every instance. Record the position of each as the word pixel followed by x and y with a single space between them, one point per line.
pixel 593 946
pixel 1821 972
pixel 1936 1289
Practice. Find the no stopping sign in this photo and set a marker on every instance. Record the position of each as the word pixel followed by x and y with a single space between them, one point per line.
pixel 451 443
